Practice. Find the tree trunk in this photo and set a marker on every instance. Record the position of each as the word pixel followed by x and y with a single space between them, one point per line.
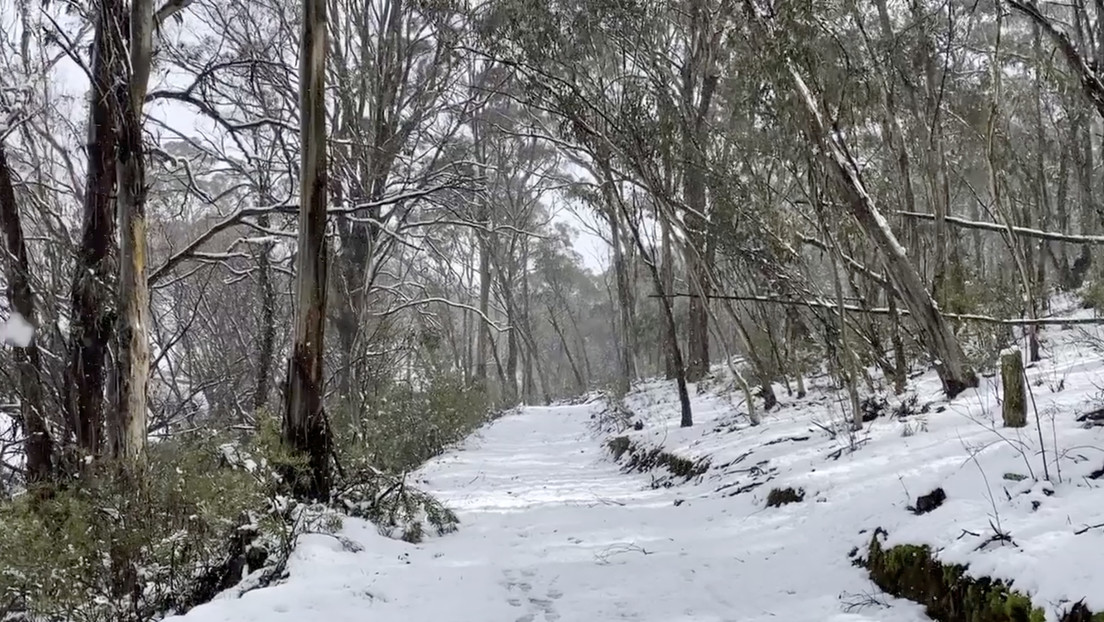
pixel 625 346
pixel 847 357
pixel 946 353
pixel 900 363
pixel 1013 394
pixel 267 324
pixel 38 444
pixel 667 277
pixel 699 82
pixel 687 415
pixel 91 316
pixel 482 335
pixel 580 381
pixel 305 428
pixel 128 434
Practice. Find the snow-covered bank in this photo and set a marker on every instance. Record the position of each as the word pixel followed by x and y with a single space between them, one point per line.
pixel 1044 493
pixel 553 530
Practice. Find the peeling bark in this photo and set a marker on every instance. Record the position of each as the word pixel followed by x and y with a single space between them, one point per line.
pixel 91 316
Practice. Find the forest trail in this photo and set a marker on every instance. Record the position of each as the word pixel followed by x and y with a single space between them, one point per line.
pixel 553 531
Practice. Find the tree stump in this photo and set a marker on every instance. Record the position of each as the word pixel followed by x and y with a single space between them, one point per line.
pixel 1014 409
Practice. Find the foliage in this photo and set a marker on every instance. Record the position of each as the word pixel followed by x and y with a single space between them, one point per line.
pixel 116 545
pixel 393 506
pixel 405 425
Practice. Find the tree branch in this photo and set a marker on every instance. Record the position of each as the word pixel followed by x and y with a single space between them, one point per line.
pixel 969 317
pixel 1021 231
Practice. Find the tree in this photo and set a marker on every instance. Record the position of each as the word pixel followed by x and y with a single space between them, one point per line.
pixel 39 445
pixel 305 427
pixel 947 355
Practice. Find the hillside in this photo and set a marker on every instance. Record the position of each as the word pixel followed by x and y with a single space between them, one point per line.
pixel 554 529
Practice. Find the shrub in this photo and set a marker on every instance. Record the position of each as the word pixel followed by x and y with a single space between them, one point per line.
pixel 405 426
pixel 117 545
pixel 395 508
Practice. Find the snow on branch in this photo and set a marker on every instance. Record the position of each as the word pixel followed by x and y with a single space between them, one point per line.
pixel 1021 231
pixel 968 317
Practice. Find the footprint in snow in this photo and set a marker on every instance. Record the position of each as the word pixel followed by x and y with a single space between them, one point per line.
pixel 520 589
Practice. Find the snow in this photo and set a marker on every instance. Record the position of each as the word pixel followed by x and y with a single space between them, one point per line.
pixel 16 331
pixel 553 530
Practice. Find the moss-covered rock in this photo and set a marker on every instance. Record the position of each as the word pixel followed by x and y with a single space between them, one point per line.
pixel 947 593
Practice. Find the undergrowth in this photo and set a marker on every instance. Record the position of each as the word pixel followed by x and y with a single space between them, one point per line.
pixel 202 514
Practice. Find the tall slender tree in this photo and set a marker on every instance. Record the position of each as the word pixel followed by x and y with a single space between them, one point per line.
pixel 305 428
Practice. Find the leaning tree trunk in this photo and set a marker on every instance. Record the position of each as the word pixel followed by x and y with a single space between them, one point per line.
pixel 936 334
pixel 38 444
pixel 580 380
pixel 305 428
pixel 685 409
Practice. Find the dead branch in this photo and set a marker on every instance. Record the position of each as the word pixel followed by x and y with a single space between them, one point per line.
pixel 968 317
pixel 1022 231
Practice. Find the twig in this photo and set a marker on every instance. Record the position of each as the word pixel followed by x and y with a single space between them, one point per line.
pixel 1086 529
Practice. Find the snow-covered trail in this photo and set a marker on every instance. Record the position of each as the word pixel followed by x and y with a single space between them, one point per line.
pixel 551 530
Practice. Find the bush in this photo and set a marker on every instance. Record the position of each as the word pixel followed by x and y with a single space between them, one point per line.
pixel 983 342
pixel 116 545
pixel 405 426
pixel 395 508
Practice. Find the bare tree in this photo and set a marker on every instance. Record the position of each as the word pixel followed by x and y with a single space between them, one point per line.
pixel 39 443
pixel 305 427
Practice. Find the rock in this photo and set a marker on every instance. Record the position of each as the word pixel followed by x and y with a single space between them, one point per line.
pixel 946 592
pixel 778 497
pixel 927 503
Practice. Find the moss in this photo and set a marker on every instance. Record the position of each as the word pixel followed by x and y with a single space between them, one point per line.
pixel 947 593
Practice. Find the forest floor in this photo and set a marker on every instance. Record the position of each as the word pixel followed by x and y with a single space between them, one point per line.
pixel 553 529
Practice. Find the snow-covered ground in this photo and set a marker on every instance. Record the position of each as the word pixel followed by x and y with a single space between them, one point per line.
pixel 553 530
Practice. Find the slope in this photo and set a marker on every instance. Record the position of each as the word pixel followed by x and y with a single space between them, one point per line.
pixel 553 529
